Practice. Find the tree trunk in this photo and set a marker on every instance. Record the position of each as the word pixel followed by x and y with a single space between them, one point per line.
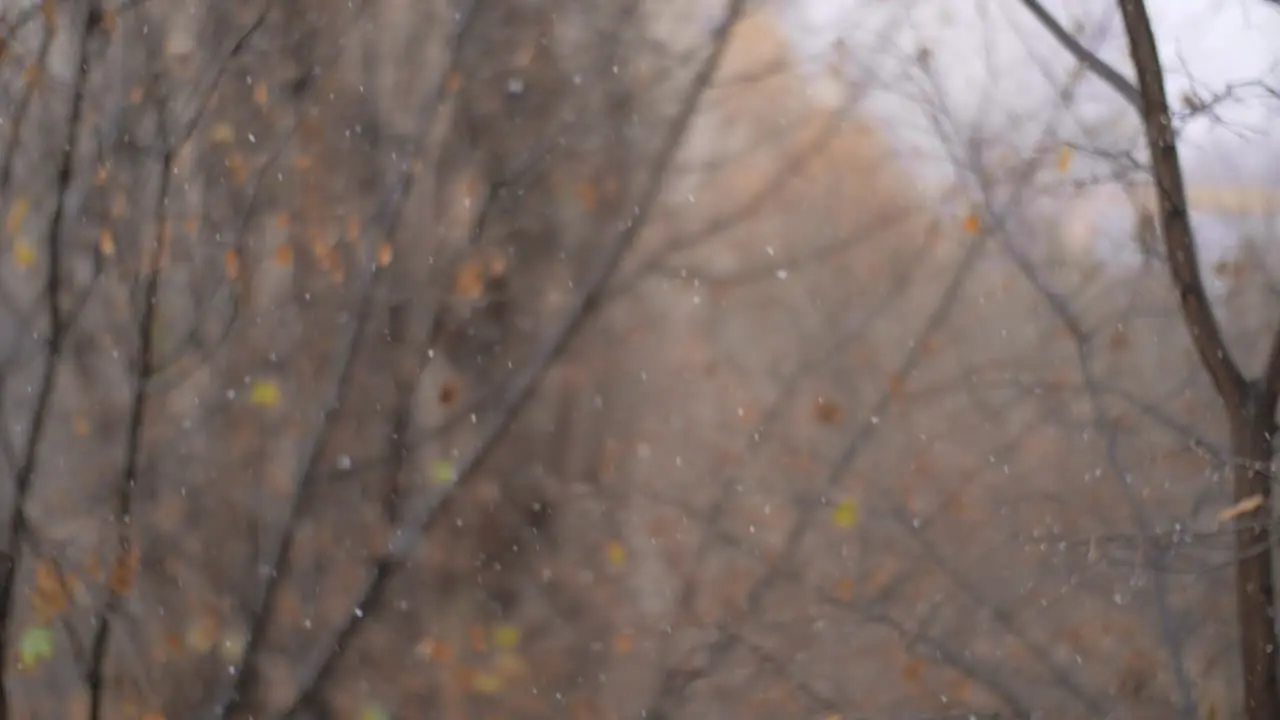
pixel 1252 432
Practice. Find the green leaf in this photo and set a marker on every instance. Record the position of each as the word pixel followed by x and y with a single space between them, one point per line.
pixel 35 646
pixel 443 472
pixel 373 711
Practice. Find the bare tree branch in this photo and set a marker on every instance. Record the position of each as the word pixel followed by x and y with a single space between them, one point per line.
pixel 1089 59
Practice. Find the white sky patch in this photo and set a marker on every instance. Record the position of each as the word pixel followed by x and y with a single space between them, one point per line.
pixel 948 80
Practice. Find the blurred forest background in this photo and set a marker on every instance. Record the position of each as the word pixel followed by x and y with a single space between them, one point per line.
pixel 537 359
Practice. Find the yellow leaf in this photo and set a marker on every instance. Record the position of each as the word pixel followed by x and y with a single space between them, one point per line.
pixel 1065 156
pixel 35 646
pixel 231 649
pixel 265 393
pixel 107 243
pixel 374 712
pixel 845 514
pixel 17 215
pixel 32 75
pixel 442 472
pixel 1244 507
pixel 202 634
pixel 616 553
pixel 24 255
pixel 506 636
pixel 238 167
pixel 223 133
pixel 509 665
pixel 486 683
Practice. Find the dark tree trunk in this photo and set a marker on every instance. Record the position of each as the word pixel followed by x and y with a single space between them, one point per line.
pixel 1253 429
pixel 1251 406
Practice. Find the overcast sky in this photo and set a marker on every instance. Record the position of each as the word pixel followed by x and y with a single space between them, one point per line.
pixel 991 71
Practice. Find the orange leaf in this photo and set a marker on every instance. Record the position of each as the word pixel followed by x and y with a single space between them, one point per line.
pixel 385 254
pixel 587 195
pixel 844 589
pixel 1119 339
pixel 49 9
pixel 434 651
pixel 827 412
pixel 972 225
pixel 261 94
pixel 913 670
pixel 231 261
pixel 479 638
pixel 497 265
pixel 623 643
pixel 124 572
pixel 1065 156
pixel 469 280
pixel 284 255
pixel 49 597
pixel 453 83
pixel 448 393
pixel 928 348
